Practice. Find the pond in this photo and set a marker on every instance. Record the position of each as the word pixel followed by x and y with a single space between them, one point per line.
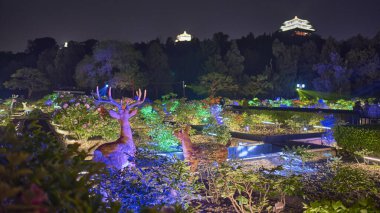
pixel 244 150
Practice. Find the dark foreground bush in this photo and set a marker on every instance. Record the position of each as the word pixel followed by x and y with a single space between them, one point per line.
pixel 40 174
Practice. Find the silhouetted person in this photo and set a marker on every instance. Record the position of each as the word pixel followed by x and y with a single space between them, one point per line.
pixel 222 102
pixel 245 103
pixel 366 107
pixel 374 110
pixel 358 107
pixel 358 112
pixel 365 116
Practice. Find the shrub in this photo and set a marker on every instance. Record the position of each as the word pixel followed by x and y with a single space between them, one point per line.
pixel 220 132
pixel 39 174
pixel 337 206
pixel 341 182
pixel 356 138
pixel 351 184
pixel 157 181
pixel 160 132
pixel 247 190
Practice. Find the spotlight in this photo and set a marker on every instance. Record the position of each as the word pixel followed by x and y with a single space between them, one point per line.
pixel 300 86
pixel 107 85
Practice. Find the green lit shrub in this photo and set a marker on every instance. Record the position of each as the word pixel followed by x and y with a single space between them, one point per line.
pixel 82 120
pixel 266 122
pixel 220 132
pixel 4 117
pixel 326 206
pixel 193 112
pixel 160 132
pixel 357 138
pixel 163 135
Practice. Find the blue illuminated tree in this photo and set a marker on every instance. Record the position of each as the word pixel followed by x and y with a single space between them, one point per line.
pixel 332 77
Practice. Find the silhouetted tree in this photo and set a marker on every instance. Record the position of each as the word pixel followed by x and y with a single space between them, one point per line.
pixel 234 62
pixel 214 83
pixel 159 73
pixel 258 85
pixel 364 66
pixel 330 45
pixel 286 60
pixel 332 77
pixel 215 64
pixel 28 79
pixel 37 46
pixel 109 57
pixel 129 80
pixel 65 62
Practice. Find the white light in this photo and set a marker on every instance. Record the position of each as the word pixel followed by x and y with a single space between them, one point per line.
pixel 267 122
pixel 298 85
pixel 303 86
pixel 183 37
pixel 296 23
pixel 371 158
pixel 66 44
pixel 243 154
pixel 322 127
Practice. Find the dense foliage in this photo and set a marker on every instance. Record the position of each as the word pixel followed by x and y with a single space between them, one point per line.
pixel 158 181
pixel 273 122
pixel 40 174
pixel 262 65
pixel 81 118
pixel 357 138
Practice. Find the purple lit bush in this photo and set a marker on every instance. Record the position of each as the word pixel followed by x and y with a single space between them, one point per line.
pixel 157 181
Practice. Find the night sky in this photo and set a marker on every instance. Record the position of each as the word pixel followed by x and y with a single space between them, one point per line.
pixel 143 20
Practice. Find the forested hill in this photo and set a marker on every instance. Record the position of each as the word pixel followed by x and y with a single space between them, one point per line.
pixel 268 65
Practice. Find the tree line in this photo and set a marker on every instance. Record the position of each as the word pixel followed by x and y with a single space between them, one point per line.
pixel 268 65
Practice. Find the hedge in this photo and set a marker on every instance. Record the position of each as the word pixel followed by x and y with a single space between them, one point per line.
pixel 356 138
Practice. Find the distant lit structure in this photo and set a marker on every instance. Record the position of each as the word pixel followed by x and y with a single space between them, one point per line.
pixel 297 26
pixel 66 44
pixel 183 37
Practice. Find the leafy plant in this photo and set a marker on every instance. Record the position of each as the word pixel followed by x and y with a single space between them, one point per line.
pixel 351 183
pixel 83 121
pixel 158 181
pixel 160 132
pixel 38 173
pixel 362 153
pixel 220 132
pixel 326 206
pixel 356 138
pixel 248 191
pixel 294 153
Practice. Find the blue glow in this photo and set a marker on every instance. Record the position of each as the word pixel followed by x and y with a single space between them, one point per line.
pixel 243 153
pixel 216 111
pixel 107 85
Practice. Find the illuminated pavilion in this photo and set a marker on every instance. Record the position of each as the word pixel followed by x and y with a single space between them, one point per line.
pixel 297 26
pixel 183 37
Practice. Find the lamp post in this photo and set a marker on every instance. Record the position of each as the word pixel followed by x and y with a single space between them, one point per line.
pixel 183 89
pixel 300 86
